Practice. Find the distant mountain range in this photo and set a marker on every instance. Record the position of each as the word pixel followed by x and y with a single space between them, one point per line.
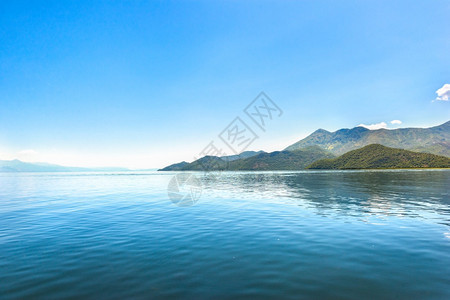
pixel 210 162
pixel 243 155
pixel 20 166
pixel 323 144
pixel 355 148
pixel 281 160
pixel 278 160
pixel 435 140
pixel 377 156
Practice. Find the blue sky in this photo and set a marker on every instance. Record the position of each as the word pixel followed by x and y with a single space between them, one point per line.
pixel 146 83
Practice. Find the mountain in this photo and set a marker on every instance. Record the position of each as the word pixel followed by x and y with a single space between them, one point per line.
pixel 434 140
pixel 278 160
pixel 377 156
pixel 281 160
pixel 210 162
pixel 243 155
pixel 324 144
pixel 175 167
pixel 207 163
pixel 20 166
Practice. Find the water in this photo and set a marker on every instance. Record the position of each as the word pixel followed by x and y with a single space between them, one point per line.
pixel 310 235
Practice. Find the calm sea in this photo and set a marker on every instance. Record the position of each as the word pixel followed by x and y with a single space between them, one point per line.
pixel 274 235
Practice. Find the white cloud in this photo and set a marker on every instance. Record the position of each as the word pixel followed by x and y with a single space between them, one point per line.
pixel 28 152
pixel 374 126
pixel 29 155
pixel 396 122
pixel 443 94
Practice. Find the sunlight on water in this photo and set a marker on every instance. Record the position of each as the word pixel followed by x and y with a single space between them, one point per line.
pixel 339 234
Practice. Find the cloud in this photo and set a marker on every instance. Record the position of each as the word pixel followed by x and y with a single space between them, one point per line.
pixel 29 155
pixel 443 94
pixel 28 152
pixel 374 126
pixel 396 122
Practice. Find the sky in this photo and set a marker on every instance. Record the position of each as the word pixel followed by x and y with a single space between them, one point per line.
pixel 142 84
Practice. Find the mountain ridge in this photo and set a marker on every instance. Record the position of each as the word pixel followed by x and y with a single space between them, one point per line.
pixel 16 165
pixel 325 144
pixel 276 160
pixel 376 156
pixel 435 139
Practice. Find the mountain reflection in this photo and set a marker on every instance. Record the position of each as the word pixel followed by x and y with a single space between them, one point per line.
pixel 408 193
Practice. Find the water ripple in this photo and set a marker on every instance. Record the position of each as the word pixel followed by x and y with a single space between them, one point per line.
pixel 275 235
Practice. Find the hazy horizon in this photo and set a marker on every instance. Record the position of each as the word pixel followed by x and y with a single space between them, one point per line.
pixel 158 167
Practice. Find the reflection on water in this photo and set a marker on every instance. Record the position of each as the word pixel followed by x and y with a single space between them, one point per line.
pixel 412 193
pixel 311 235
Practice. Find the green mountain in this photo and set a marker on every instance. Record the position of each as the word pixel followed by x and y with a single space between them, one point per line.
pixel 324 144
pixel 434 140
pixel 207 163
pixel 278 160
pixel 377 156
pixel 210 162
pixel 175 167
pixel 281 160
pixel 243 155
